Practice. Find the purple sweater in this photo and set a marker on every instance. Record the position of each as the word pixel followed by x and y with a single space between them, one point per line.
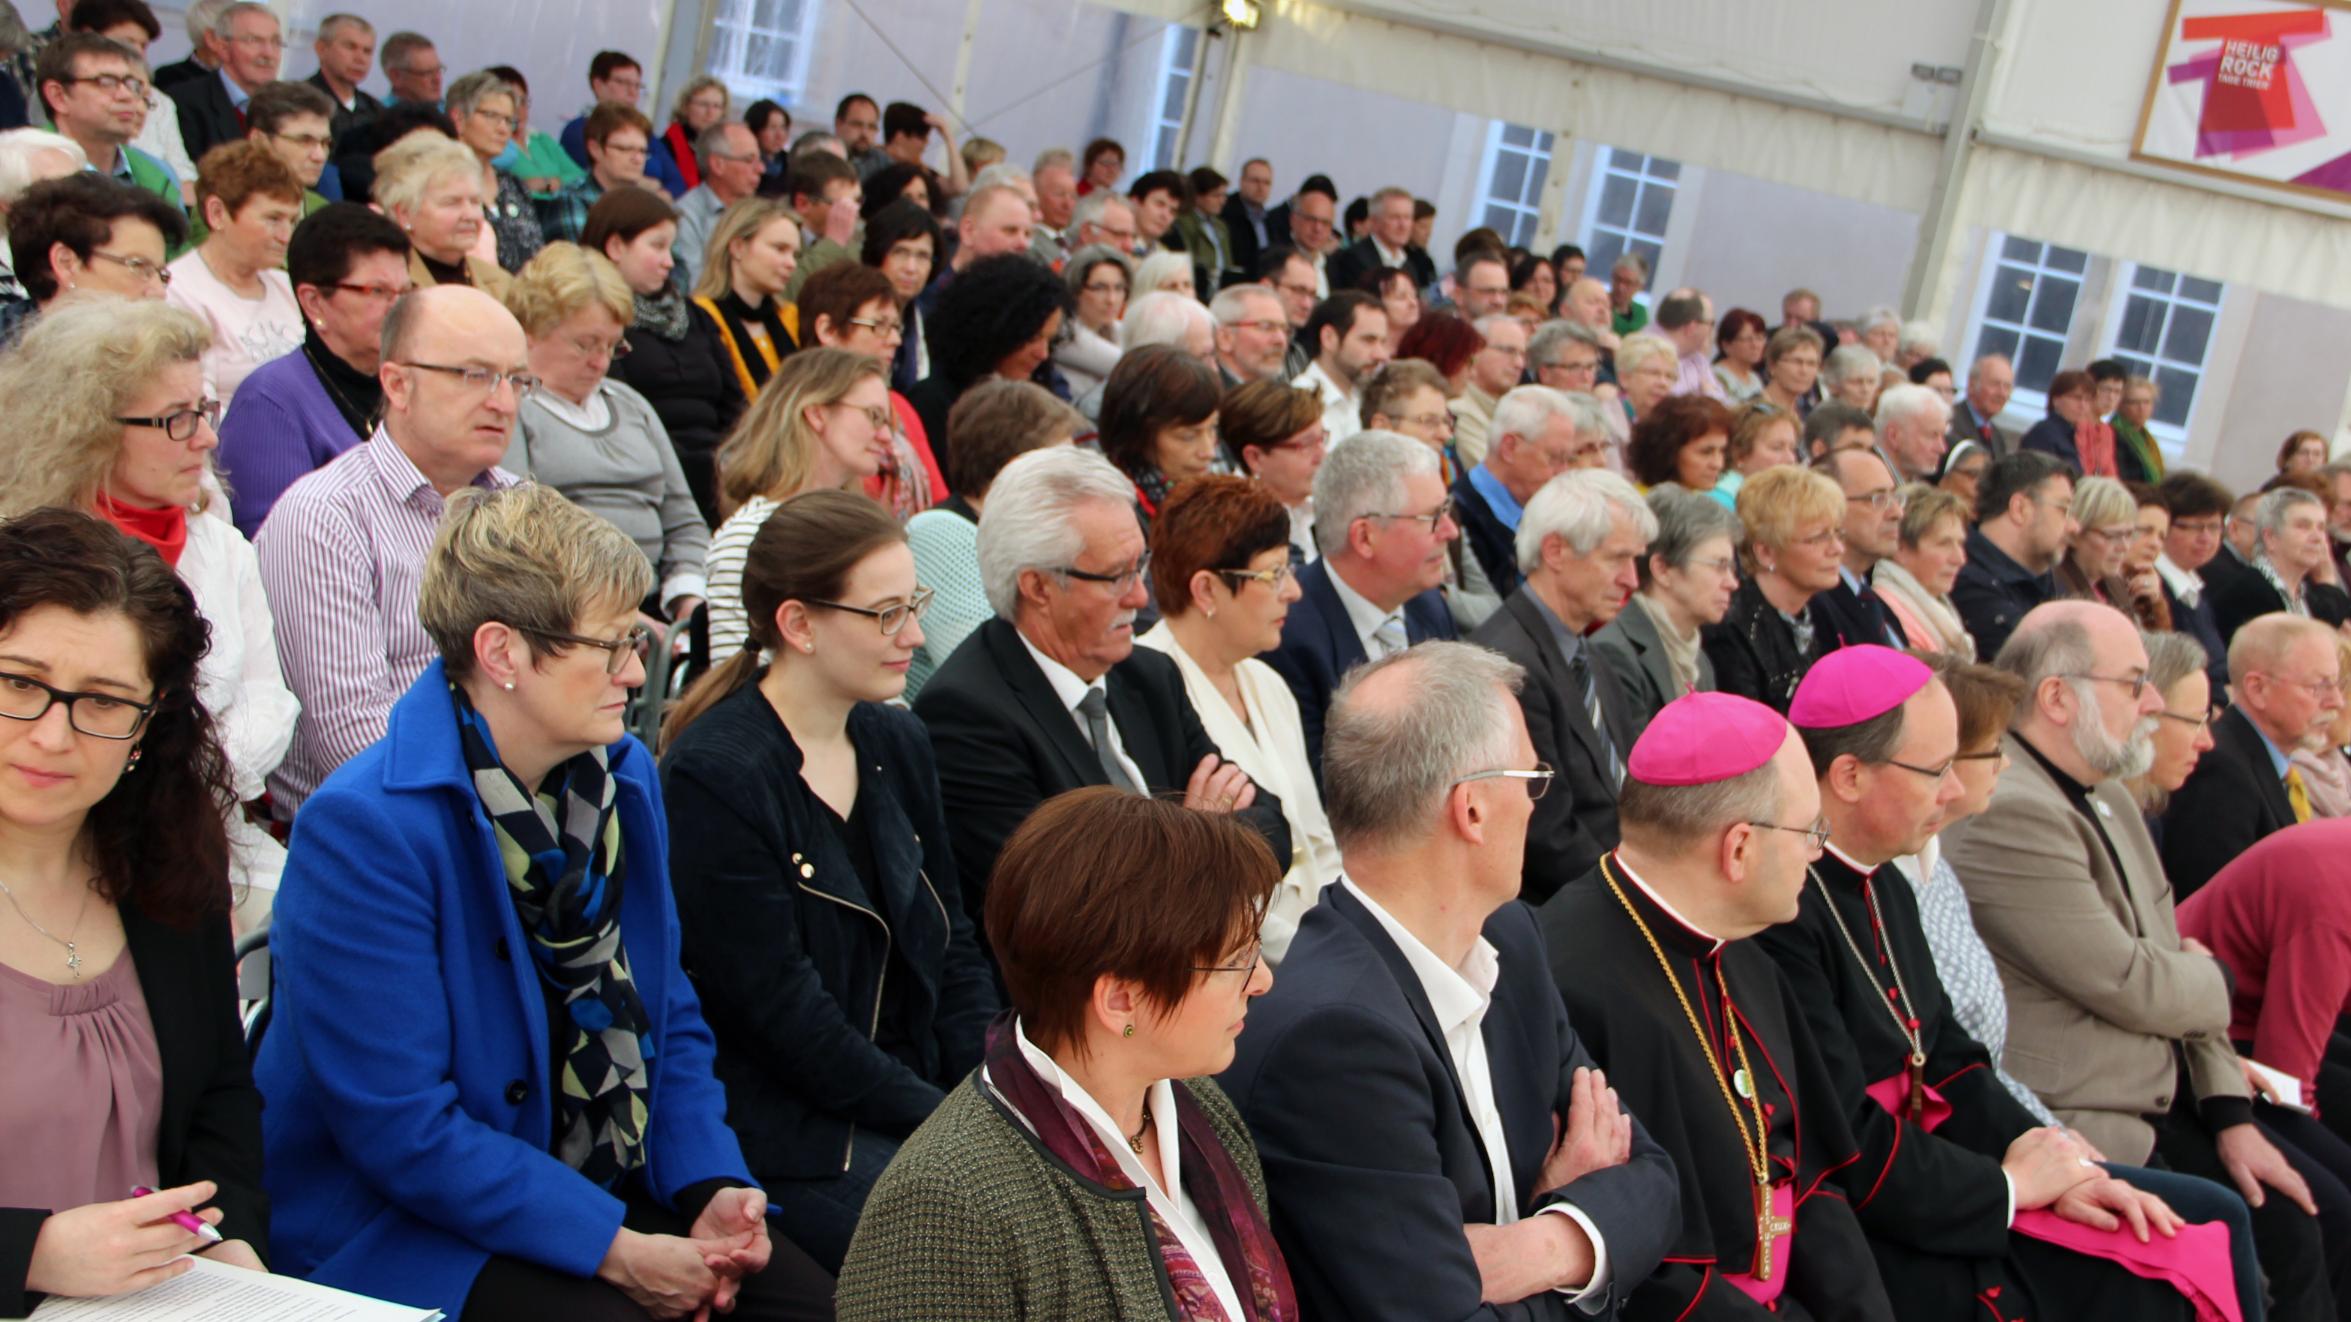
pixel 280 427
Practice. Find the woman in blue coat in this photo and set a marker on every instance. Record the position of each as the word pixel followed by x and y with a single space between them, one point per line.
pixel 488 1084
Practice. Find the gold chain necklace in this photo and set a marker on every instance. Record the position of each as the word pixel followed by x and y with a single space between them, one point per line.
pixel 1767 1225
pixel 1906 1019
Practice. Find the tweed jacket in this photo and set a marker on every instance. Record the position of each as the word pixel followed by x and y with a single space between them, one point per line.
pixel 2099 990
pixel 975 1220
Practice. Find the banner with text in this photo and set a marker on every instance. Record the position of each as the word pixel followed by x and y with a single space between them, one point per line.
pixel 2254 90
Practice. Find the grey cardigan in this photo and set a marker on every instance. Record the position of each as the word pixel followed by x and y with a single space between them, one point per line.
pixel 626 473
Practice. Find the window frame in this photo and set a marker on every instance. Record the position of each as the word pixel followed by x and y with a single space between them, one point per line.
pixel 1175 73
pixel 1527 208
pixel 2173 436
pixel 1630 238
pixel 2034 402
pixel 746 85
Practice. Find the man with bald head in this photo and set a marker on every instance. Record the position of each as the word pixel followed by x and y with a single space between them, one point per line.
pixel 344 548
pixel 1852 611
pixel 2114 1021
pixel 2287 684
pixel 1650 951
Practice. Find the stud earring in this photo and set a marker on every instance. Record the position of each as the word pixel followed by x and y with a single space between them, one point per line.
pixel 1130 1031
pixel 137 753
pixel 510 686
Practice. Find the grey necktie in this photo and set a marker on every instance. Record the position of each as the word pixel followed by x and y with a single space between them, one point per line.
pixel 1095 709
pixel 1580 671
pixel 1390 637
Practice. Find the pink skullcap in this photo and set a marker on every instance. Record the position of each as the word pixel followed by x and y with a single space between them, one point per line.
pixel 1701 738
pixel 1853 684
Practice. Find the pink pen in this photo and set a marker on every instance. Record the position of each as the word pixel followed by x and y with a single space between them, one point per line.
pixel 196 1226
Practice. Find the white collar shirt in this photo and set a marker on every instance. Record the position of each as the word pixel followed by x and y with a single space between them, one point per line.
pixel 1364 616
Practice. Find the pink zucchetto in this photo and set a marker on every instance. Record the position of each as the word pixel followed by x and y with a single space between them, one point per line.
pixel 1853 684
pixel 1701 738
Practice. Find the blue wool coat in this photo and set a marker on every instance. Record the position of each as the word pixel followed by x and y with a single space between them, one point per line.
pixel 408 1120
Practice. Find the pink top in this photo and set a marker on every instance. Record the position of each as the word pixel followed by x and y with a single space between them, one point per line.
pixel 82 1094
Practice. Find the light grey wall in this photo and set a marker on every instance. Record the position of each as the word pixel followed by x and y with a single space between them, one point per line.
pixel 1753 240
pixel 2293 361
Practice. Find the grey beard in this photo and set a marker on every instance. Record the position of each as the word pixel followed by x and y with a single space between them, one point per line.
pixel 2114 758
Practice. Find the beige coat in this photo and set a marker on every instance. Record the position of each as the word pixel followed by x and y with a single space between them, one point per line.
pixel 2099 990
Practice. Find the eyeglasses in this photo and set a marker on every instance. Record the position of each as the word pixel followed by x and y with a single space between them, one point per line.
pixel 614 350
pixel 270 42
pixel 637 642
pixel 1538 781
pixel 1297 290
pixel 98 715
pixel 1270 579
pixel 2132 684
pixel 1247 971
pixel 180 424
pixel 1591 365
pixel 1826 537
pixel 1816 836
pixel 1120 583
pixel 887 329
pixel 138 266
pixel 1114 288
pixel 2197 723
pixel 494 116
pixel 2316 688
pixel 307 141
pixel 484 379
pixel 1713 565
pixel 1878 500
pixel 373 293
pixel 1434 518
pixel 891 617
pixel 1931 773
pixel 1440 418
pixel 615 149
pixel 1267 326
pixel 2112 534
pixel 110 83
pixel 876 414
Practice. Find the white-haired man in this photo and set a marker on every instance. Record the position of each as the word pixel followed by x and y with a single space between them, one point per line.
pixel 1578 545
pixel 1912 422
pixel 1252 334
pixel 1538 433
pixel 1052 694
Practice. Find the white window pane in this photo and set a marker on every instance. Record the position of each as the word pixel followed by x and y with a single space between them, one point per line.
pixel 1617 195
pixel 1661 168
pixel 2068 259
pixel 1997 339
pixel 1543 143
pixel 1510 173
pixel 1538 168
pixel 2190 330
pixel 1649 251
pixel 1517 135
pixel 2011 294
pixel 2053 300
pixel 2179 393
pixel 2141 326
pixel 1603 250
pixel 2022 251
pixel 1655 206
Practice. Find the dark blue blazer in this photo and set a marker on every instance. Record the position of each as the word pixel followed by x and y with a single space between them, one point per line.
pixel 2053 436
pixel 1372 1164
pixel 1319 646
pixel 1993 592
pixel 410 1113
pixel 1490 540
pixel 1846 617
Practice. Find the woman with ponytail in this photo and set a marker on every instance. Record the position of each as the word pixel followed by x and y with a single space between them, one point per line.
pixel 809 856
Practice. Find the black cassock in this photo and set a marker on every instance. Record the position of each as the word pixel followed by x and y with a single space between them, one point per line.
pixel 1617 995
pixel 1933 1205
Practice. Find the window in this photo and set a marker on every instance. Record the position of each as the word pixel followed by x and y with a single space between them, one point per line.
pixel 1176 53
pixel 1510 183
pixel 760 47
pixel 1628 210
pixel 2162 327
pixel 2027 306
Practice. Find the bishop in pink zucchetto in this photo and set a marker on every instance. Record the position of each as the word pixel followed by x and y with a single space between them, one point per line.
pixel 1702 738
pixel 1854 684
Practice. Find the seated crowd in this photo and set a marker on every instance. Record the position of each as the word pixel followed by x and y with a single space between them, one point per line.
pixel 813 734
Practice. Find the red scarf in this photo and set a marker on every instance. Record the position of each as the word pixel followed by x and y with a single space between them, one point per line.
pixel 165 529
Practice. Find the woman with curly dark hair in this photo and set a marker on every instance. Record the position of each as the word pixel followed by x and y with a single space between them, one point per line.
pixel 897 183
pixel 1533 275
pixel 127 1068
pixel 903 242
pixel 1445 342
pixel 1684 439
pixel 998 319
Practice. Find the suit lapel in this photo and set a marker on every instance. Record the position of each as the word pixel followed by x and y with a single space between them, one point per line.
pixel 1641 632
pixel 1130 711
pixel 1557 675
pixel 2255 751
pixel 1043 706
pixel 1346 648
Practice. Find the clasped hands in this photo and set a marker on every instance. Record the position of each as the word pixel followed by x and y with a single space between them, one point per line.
pixel 699 1273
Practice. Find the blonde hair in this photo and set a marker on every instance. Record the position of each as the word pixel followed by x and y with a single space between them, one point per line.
pixel 63 384
pixel 694 87
pixel 405 171
pixel 771 450
pixel 742 220
pixel 563 279
pixel 2101 501
pixel 1154 271
pixel 1634 350
pixel 1774 503
pixel 526 558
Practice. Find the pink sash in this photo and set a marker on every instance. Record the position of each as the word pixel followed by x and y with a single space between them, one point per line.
pixel 2196 1262
pixel 1783 1206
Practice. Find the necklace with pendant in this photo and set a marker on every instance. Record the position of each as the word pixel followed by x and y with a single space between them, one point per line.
pixel 73 955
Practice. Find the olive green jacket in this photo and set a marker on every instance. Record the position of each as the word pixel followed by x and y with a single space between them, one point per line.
pixel 975 1220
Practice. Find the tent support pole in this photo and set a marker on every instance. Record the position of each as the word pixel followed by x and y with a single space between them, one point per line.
pixel 1942 212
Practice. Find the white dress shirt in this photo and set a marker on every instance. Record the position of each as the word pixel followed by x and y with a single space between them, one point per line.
pixel 1342 410
pixel 1459 996
pixel 2186 584
pixel 1174 1206
pixel 1302 530
pixel 1366 617
pixel 1071 691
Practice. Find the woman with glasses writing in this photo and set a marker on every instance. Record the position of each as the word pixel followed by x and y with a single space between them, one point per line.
pixel 126 1068
pixel 816 890
pixel 822 424
pixel 104 405
pixel 594 439
pixel 1220 569
pixel 1091 1168
pixel 1795 519
pixel 490 1085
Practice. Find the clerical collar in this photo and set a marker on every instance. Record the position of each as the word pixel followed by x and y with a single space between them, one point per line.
pixel 1717 943
pixel 1852 865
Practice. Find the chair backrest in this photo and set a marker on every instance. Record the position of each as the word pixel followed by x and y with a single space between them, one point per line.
pixel 668 672
pixel 254 947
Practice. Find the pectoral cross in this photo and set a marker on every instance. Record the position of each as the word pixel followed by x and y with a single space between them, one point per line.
pixel 1918 1087
pixel 1767 1228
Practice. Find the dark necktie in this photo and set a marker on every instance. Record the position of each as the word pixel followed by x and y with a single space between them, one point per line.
pixel 1096 711
pixel 1588 689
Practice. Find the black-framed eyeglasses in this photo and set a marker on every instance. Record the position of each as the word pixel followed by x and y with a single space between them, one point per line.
pixel 1931 773
pixel 484 379
pixel 110 83
pixel 1816 836
pixel 891 617
pixel 1538 781
pixel 180 424
pixel 1121 582
pixel 1434 518
pixel 1270 579
pixel 1247 971
pixel 1988 755
pixel 2132 684
pixel 98 715
pixel 637 642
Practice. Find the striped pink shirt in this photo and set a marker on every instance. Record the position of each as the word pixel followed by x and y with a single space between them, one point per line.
pixel 342 554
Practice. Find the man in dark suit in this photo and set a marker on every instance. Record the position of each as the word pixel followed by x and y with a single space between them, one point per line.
pixel 2291 527
pixel 1388 244
pixel 1989 384
pixel 1382 521
pixel 2021 528
pixel 1248 220
pixel 212 109
pixel 1434 1143
pixel 1538 433
pixel 2288 687
pixel 1851 612
pixel 1593 528
pixel 346 49
pixel 1052 694
pixel 204 43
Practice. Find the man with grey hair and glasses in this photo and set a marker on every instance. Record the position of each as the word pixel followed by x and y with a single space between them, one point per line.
pixel 2291 549
pixel 1579 545
pixel 1538 434
pixel 1430 1125
pixel 2114 1020
pixel 1052 694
